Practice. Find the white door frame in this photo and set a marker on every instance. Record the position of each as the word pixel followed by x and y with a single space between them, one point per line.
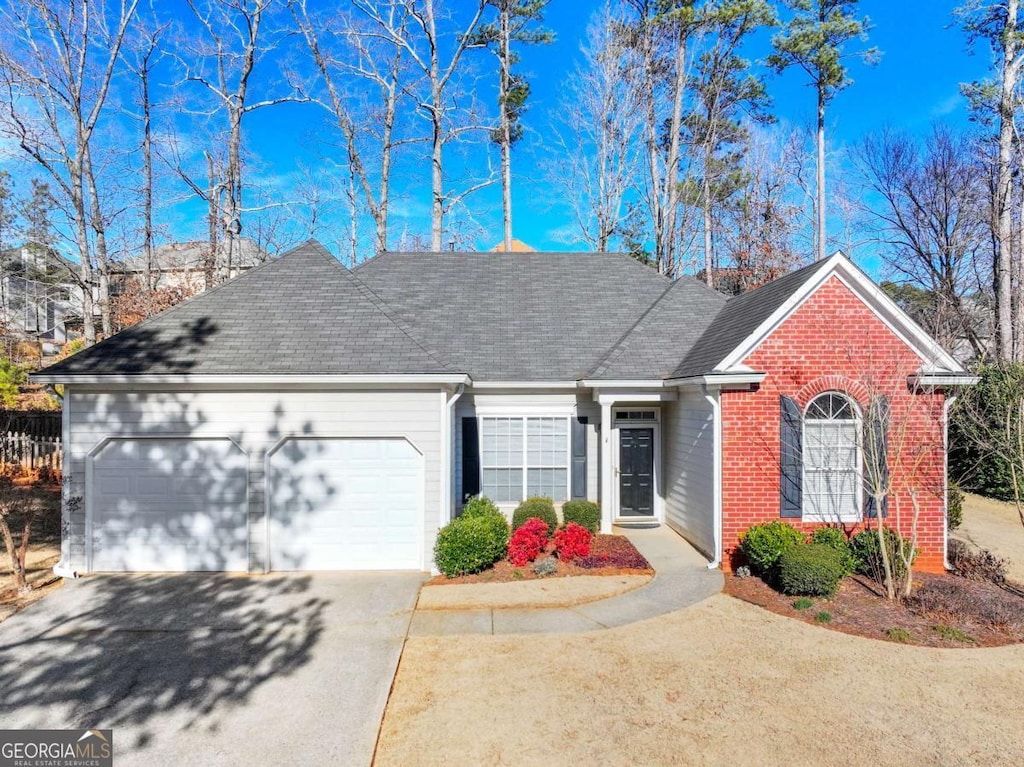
pixel 655 425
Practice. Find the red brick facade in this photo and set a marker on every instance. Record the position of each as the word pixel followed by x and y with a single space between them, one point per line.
pixel 834 342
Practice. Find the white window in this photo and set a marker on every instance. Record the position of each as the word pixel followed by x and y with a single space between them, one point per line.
pixel 832 459
pixel 523 457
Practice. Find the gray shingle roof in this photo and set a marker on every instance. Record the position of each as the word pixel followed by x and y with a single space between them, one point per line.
pixel 494 316
pixel 303 313
pixel 522 316
pixel 652 347
pixel 739 318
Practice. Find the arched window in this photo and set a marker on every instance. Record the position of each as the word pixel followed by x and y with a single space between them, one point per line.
pixel 832 459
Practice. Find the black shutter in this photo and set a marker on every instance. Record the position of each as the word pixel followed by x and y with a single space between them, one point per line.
pixel 876 454
pixel 470 458
pixel 579 457
pixel 791 458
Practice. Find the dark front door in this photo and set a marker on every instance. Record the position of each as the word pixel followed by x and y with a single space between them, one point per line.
pixel 636 472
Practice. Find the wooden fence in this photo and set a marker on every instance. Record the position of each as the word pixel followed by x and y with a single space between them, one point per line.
pixel 30 440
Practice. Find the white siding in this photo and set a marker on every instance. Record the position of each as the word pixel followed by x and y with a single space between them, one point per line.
pixel 256 421
pixel 689 471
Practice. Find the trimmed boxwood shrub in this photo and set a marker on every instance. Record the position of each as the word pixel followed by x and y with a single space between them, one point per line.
pixel 539 507
pixel 810 569
pixel 470 544
pixel 480 506
pixel 836 539
pixel 584 513
pixel 868 554
pixel 762 545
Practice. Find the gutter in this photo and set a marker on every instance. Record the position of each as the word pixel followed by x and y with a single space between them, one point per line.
pixel 256 378
pixel 716 413
pixel 448 507
pixel 945 476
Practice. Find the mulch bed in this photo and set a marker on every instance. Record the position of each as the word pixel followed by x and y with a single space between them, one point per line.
pixel 609 555
pixel 859 608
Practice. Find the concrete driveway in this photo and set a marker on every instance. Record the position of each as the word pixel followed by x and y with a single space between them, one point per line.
pixel 212 669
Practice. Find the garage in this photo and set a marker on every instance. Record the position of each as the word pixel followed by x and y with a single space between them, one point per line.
pixel 345 504
pixel 167 504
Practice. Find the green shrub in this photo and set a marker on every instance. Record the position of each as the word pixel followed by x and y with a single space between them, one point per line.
pixel 12 376
pixel 584 513
pixel 803 603
pixel 868 554
pixel 836 539
pixel 480 506
pixel 811 569
pixel 977 422
pixel 470 544
pixel 823 617
pixel 762 545
pixel 539 507
pixel 954 507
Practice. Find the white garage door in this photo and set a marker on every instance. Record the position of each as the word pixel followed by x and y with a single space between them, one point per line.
pixel 346 504
pixel 169 505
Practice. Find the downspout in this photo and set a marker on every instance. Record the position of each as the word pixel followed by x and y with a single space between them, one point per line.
pixel 945 479
pixel 714 399
pixel 63 569
pixel 448 509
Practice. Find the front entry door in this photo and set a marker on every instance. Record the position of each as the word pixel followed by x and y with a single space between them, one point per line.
pixel 636 472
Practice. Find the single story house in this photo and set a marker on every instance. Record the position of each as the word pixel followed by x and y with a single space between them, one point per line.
pixel 304 416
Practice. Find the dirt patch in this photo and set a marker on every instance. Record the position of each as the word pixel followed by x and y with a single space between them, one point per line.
pixel 608 554
pixel 722 682
pixel 995 526
pixel 858 608
pixel 43 554
pixel 549 592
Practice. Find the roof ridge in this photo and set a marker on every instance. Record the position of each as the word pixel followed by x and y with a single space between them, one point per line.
pixel 380 304
pixel 620 345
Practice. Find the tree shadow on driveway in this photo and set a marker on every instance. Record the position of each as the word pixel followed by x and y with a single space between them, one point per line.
pixel 142 651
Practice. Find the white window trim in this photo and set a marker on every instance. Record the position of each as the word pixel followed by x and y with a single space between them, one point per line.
pixel 554 412
pixel 805 514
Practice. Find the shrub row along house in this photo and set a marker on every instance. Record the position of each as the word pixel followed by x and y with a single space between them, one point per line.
pixel 305 416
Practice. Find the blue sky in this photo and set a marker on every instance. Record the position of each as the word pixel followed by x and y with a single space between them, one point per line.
pixel 924 58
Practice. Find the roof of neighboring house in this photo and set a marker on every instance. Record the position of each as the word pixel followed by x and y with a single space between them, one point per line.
pixel 518 246
pixel 303 313
pixel 738 318
pixel 531 316
pixel 191 256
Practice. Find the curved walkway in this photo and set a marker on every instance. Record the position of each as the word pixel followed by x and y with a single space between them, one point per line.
pixel 681 579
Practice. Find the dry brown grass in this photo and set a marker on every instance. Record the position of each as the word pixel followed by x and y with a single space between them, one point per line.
pixel 723 682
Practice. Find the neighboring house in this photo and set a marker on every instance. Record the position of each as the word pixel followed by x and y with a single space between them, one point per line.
pixel 184 264
pixel 36 300
pixel 305 416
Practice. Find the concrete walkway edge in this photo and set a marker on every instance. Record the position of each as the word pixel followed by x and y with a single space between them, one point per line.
pixel 681 579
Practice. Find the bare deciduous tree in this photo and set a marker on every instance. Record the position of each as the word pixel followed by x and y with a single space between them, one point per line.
pixel 598 158
pixel 57 63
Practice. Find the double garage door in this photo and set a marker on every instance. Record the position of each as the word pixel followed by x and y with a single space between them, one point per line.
pixel 182 505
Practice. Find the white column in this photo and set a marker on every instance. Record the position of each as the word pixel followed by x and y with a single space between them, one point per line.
pixel 606 468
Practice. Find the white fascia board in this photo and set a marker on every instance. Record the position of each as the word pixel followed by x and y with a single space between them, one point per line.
pixel 648 383
pixel 898 321
pixel 525 385
pixel 941 380
pixel 728 378
pixel 258 378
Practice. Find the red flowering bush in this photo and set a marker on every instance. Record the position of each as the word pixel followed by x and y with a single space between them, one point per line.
pixel 572 541
pixel 527 541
